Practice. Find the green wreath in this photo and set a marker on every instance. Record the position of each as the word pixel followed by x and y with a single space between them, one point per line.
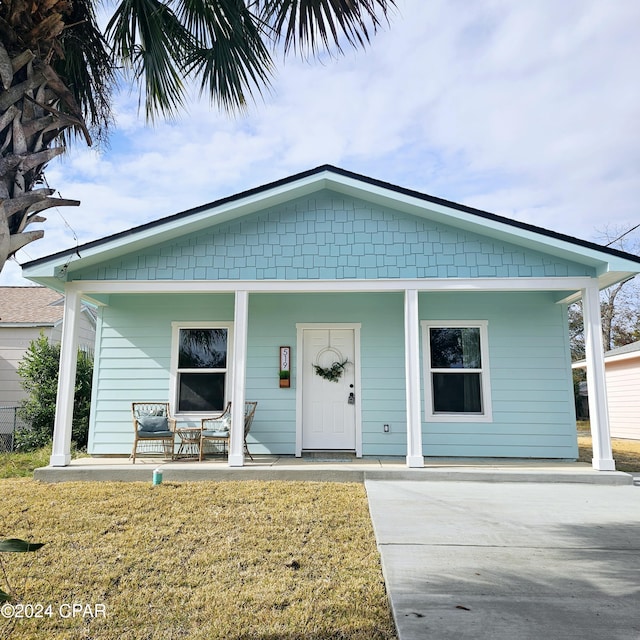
pixel 332 373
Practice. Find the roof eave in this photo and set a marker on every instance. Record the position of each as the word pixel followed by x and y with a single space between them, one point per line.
pixel 54 267
pixel 27 325
pixel 611 266
pixel 621 357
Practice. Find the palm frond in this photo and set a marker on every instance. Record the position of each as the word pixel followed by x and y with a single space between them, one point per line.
pixel 313 25
pixel 230 58
pixel 149 40
pixel 87 67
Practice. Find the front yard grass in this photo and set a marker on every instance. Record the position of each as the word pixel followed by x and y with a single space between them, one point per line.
pixel 19 465
pixel 626 453
pixel 232 560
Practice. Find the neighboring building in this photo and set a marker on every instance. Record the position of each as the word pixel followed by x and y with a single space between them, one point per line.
pixel 25 313
pixel 451 323
pixel 622 372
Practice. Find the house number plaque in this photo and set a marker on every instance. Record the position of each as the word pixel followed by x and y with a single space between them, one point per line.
pixel 285 367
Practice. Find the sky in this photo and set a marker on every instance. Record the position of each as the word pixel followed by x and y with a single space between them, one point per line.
pixel 530 110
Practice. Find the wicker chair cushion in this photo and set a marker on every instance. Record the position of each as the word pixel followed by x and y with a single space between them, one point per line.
pixel 152 423
pixel 154 434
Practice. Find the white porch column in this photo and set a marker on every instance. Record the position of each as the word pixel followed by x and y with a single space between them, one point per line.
pixel 596 384
pixel 61 452
pixel 412 373
pixel 240 329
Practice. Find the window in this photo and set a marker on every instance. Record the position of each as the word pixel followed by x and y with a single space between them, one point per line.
pixel 201 362
pixel 456 371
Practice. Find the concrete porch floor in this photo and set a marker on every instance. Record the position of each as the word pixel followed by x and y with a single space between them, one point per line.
pixel 330 468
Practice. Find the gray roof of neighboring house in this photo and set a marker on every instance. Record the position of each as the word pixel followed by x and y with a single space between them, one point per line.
pixel 30 305
pixel 614 353
pixel 619 351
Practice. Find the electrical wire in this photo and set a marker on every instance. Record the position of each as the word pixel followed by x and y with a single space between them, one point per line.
pixel 626 233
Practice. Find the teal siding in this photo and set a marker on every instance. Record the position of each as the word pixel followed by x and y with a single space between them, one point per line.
pixel 272 323
pixel 329 237
pixel 273 429
pixel 134 358
pixel 528 342
pixel 532 392
pixel 136 344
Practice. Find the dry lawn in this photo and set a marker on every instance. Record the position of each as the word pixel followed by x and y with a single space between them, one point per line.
pixel 249 560
pixel 20 465
pixel 626 453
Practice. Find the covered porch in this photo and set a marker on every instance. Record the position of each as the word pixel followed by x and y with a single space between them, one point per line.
pixel 412 297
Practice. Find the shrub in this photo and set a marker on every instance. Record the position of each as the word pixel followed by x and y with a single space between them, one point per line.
pixel 39 372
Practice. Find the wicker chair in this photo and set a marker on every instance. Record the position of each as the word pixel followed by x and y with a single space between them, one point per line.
pixel 152 424
pixel 218 429
pixel 249 413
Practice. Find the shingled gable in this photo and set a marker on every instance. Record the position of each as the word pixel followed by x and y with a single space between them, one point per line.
pixel 611 265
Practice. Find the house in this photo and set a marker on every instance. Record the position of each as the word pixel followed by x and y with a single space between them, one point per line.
pixel 445 326
pixel 622 374
pixel 25 313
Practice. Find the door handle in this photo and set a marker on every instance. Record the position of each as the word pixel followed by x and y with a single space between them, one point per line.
pixel 352 398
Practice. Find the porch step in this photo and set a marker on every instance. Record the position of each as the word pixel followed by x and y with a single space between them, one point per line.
pixel 313 467
pixel 329 456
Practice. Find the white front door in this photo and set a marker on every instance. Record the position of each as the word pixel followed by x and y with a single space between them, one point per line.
pixel 328 407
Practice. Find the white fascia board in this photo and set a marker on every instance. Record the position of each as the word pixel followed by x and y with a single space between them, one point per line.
pixel 606 280
pixel 43 272
pixel 101 287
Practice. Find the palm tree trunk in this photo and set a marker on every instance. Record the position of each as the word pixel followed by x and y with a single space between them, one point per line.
pixel 32 130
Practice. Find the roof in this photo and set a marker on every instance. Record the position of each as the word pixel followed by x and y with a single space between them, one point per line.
pixel 629 350
pixel 610 264
pixel 30 305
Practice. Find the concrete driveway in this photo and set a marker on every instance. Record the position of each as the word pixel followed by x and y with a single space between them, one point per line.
pixel 510 561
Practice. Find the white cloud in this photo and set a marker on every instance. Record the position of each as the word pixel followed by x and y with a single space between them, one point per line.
pixel 524 109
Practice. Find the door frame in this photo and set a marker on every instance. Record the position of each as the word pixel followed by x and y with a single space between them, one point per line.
pixel 301 372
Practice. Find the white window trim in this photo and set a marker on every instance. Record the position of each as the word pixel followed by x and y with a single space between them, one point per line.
pixel 173 382
pixel 485 378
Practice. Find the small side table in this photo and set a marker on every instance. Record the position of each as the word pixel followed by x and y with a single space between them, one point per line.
pixel 189 442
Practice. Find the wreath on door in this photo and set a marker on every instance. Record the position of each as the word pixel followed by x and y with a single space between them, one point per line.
pixel 333 373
